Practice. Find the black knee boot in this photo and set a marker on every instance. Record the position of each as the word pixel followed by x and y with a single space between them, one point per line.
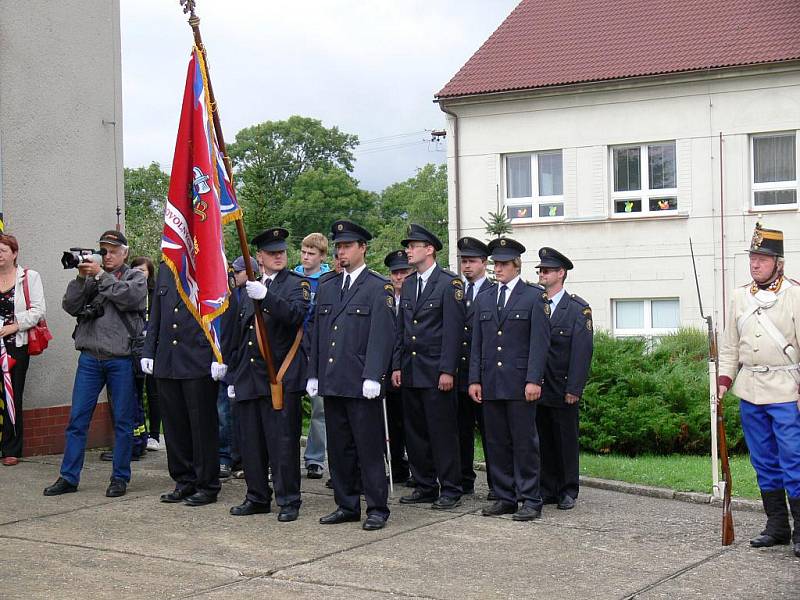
pixel 777 530
pixel 794 505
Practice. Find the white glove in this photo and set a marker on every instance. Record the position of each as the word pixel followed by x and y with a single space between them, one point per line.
pixel 147 366
pixel 231 392
pixel 218 370
pixel 256 290
pixel 312 387
pixel 371 389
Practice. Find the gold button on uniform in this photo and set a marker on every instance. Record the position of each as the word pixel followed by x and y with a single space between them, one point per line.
pixel 499 364
pixel 414 338
pixel 335 327
pixel 499 333
pixel 252 360
pixel 330 360
pixel 413 354
pixel 174 342
pixel 499 348
pixel 174 325
pixel 415 322
pixel 175 309
pixel 250 343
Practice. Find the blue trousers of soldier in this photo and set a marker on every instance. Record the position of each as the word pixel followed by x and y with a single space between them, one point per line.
pixel 772 433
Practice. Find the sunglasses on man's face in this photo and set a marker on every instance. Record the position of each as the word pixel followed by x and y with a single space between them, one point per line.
pixel 545 271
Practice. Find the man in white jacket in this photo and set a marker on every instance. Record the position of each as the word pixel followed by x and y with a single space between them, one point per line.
pixel 760 350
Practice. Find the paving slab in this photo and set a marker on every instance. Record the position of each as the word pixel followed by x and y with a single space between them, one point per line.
pixel 35 570
pixel 265 587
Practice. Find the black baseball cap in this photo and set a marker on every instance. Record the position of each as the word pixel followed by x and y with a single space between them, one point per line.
pixel 114 237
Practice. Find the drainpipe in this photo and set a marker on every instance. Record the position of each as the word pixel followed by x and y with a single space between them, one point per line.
pixel 456 178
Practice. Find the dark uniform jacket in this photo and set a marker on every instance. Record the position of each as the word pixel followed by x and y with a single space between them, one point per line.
pixel 466 342
pixel 175 341
pixel 570 353
pixel 430 329
pixel 283 309
pixel 509 347
pixel 352 338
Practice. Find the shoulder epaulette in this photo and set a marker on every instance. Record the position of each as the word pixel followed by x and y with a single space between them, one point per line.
pixel 378 275
pixel 579 300
pixel 450 273
pixel 536 286
pixel 296 274
pixel 327 277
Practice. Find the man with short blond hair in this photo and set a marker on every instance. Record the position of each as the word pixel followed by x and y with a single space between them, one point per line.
pixel 313 251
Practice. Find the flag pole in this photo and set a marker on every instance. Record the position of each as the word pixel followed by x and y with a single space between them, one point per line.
pixel 276 388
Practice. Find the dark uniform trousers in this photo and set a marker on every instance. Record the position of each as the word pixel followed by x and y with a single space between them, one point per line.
pixel 351 342
pixel 470 413
pixel 189 410
pixel 567 370
pixel 397 436
pixel 268 437
pixel 558 435
pixel 429 336
pixel 509 350
pixel 356 446
pixel 182 359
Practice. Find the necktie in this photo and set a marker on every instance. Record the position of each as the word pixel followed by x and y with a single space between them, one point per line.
pixel 501 301
pixel 419 287
pixel 346 286
pixel 552 306
pixel 268 283
pixel 470 293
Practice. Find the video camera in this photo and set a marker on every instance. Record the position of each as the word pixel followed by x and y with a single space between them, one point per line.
pixel 75 256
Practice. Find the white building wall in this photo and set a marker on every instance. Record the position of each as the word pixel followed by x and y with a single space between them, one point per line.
pixel 60 152
pixel 634 257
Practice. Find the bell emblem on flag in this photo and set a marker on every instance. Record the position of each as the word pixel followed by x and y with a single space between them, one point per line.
pixel 200 179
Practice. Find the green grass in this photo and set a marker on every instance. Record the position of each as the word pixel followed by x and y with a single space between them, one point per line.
pixel 677 472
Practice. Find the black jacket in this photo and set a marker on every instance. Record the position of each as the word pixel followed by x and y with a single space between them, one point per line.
pixel 352 337
pixel 430 329
pixel 283 309
pixel 466 342
pixel 509 347
pixel 175 341
pixel 571 345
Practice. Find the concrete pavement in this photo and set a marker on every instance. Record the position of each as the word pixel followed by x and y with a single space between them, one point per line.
pixel 613 545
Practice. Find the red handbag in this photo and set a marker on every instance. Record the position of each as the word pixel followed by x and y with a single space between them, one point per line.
pixel 39 335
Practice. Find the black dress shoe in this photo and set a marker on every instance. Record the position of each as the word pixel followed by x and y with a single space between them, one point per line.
pixel 339 516
pixel 411 482
pixel 446 502
pixel 61 486
pixel 491 496
pixel 248 507
pixel 549 500
pixel 566 502
pixel 499 508
pixel 419 497
pixel 199 499
pixel 766 540
pixel 116 488
pixel 314 472
pixel 527 513
pixel 288 514
pixel 176 495
pixel 373 523
pixel 107 456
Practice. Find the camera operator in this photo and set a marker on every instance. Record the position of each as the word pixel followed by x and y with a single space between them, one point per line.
pixel 108 301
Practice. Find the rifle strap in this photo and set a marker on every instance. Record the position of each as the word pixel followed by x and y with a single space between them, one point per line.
pixel 788 352
pixel 290 355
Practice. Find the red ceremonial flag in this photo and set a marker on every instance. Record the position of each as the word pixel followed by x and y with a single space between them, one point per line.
pixel 200 200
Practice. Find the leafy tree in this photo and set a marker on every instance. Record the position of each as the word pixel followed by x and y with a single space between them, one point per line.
pixel 421 199
pixel 145 194
pixel 269 158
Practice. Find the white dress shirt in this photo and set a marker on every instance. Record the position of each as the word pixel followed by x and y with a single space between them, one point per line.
pixel 510 285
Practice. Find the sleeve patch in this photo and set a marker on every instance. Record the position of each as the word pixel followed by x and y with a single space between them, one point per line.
pixel 390 301
pixel 457 283
pixel 547 308
pixel 459 295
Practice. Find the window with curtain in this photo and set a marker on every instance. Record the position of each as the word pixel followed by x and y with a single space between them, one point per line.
pixel 644 179
pixel 774 170
pixel 534 185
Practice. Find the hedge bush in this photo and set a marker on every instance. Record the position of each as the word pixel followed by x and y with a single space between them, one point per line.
pixel 642 400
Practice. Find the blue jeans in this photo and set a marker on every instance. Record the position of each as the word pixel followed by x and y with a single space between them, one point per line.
pixel 315 444
pixel 90 378
pixel 772 433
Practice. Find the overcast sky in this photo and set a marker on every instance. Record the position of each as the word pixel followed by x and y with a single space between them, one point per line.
pixel 370 67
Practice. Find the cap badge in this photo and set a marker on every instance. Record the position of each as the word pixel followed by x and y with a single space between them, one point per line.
pixel 339 227
pixel 502 242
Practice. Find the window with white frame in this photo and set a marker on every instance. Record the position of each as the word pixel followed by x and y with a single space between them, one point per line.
pixel 644 179
pixel 647 317
pixel 774 170
pixel 534 185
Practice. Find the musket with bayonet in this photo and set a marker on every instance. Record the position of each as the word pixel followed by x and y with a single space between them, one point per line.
pixel 726 484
